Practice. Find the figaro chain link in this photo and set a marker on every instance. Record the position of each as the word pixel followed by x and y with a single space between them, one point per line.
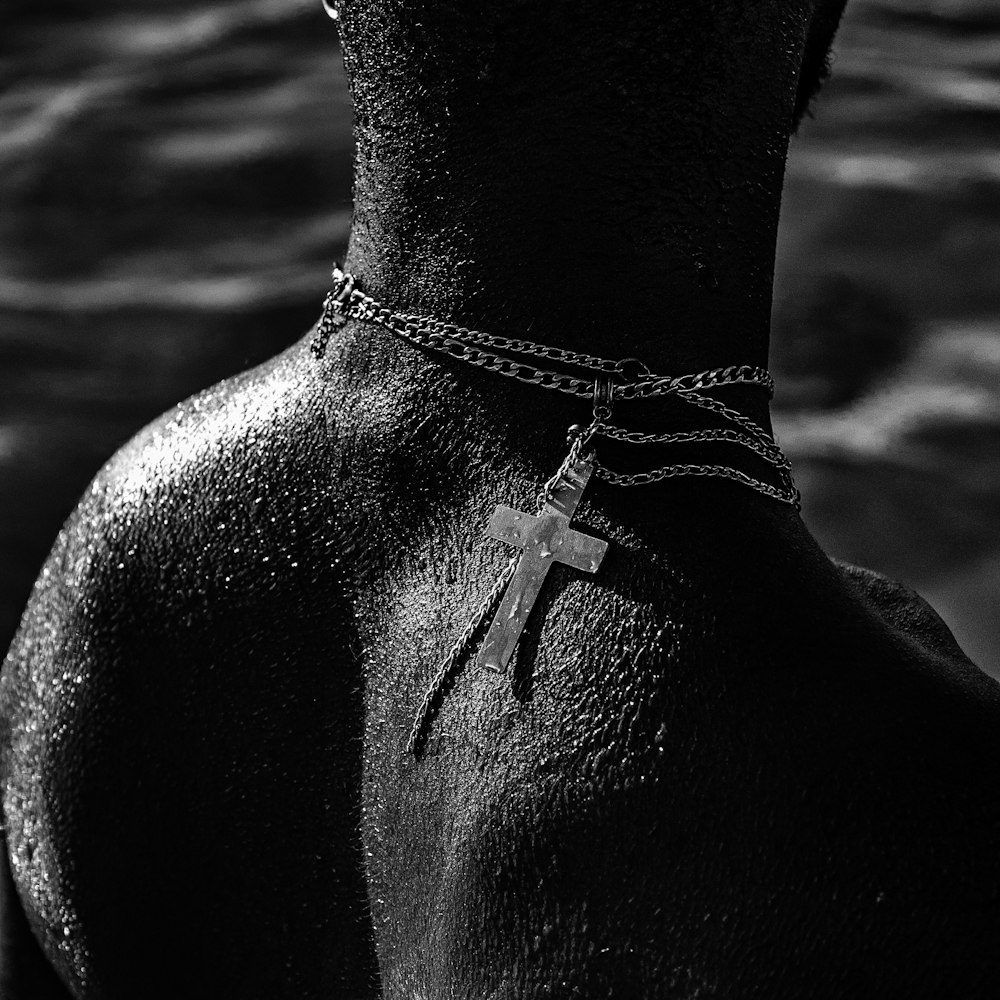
pixel 478 348
pixel 446 669
pixel 347 302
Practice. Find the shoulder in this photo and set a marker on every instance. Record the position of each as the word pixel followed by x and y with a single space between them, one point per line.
pixel 183 680
pixel 218 486
pixel 904 611
pixel 220 447
pixel 187 534
pixel 190 528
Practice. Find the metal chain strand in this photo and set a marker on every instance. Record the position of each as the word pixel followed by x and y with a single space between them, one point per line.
pixel 429 326
pixel 787 495
pixel 768 451
pixel 733 375
pixel 455 654
pixel 328 322
pixel 425 331
pixel 477 348
pixel 577 443
pixel 677 437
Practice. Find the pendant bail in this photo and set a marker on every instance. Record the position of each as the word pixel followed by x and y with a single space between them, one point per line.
pixel 604 394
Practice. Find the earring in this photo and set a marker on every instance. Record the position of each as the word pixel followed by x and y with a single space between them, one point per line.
pixel 331 10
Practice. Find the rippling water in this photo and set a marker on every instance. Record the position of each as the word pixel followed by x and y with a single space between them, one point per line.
pixel 174 179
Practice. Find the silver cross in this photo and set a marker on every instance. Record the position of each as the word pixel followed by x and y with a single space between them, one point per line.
pixel 546 539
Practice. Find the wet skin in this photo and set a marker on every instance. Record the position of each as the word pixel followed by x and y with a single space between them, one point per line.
pixel 723 766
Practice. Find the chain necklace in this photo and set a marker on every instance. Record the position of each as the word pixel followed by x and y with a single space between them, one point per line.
pixel 547 537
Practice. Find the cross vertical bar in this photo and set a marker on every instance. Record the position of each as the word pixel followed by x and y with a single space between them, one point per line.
pixel 544 539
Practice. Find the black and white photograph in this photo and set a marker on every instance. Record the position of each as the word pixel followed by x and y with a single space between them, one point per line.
pixel 500 500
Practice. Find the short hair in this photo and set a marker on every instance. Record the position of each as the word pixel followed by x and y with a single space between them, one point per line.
pixel 385 24
pixel 816 59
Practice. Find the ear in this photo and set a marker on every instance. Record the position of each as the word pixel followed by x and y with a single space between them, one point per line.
pixel 816 56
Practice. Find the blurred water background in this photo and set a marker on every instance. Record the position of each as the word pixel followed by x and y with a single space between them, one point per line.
pixel 175 179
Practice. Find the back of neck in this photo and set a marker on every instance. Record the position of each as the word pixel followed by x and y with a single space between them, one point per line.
pixel 614 191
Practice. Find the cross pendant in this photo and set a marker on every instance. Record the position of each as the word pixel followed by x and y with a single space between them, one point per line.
pixel 545 539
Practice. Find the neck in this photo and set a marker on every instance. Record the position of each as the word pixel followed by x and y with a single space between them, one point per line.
pixel 544 182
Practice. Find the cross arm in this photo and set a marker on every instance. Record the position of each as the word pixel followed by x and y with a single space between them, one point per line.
pixel 548 536
pixel 579 550
pixel 509 525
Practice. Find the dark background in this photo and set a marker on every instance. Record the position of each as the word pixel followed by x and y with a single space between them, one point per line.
pixel 175 180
